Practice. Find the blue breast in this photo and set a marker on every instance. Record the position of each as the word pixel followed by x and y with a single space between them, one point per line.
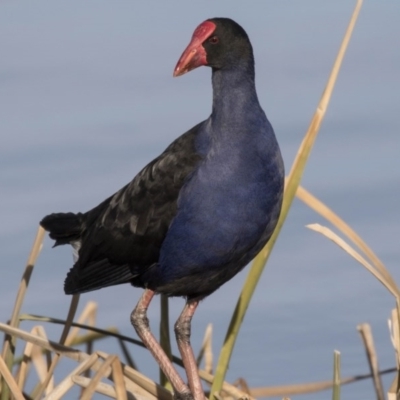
pixel 229 207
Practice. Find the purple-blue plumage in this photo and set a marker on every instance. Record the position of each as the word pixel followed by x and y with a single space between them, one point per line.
pixel 229 207
pixel 194 216
pixel 198 213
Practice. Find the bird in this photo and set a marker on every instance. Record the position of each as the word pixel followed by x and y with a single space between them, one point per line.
pixel 197 214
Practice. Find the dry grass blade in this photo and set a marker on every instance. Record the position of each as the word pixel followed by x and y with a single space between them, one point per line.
pixel 336 376
pixel 34 254
pixel 312 387
pixel 127 354
pixel 6 374
pixel 141 392
pixel 227 388
pixel 394 329
pixel 59 349
pixel 137 382
pixel 388 283
pixel 103 371
pixel 105 389
pixel 368 340
pixel 144 385
pixel 217 396
pixel 386 277
pixel 69 352
pixel 118 379
pixel 293 182
pixel 66 384
pixel 149 386
pixel 296 389
pixel 143 381
pixel 165 340
pixel 88 315
pixel 242 384
pixel 40 364
pixel 101 387
pixel 9 345
pixel 336 221
pixel 24 367
pixel 77 341
pixel 91 337
pixel 70 317
pixel 206 351
pixel 107 332
pixel 348 249
pixel 71 313
pixel 303 151
pixel 91 362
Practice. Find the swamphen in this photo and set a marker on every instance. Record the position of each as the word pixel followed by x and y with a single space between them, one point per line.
pixel 197 214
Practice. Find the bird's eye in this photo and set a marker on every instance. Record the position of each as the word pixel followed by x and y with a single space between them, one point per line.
pixel 213 40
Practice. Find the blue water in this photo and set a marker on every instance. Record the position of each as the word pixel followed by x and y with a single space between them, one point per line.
pixel 87 98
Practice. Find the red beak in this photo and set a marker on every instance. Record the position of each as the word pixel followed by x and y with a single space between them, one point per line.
pixel 194 55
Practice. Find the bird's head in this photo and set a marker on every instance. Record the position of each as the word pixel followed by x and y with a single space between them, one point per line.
pixel 218 43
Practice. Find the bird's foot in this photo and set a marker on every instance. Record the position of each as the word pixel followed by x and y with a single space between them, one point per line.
pixel 183 396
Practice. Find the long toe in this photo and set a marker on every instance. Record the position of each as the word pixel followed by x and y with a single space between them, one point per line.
pixel 183 396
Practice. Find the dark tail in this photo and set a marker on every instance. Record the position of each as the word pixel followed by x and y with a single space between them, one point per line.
pixel 64 228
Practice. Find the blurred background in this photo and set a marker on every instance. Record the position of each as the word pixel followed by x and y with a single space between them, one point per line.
pixel 87 98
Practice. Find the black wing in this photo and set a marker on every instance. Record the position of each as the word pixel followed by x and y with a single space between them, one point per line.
pixel 122 236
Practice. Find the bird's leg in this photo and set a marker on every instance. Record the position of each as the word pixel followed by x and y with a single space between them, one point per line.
pixel 182 332
pixel 140 322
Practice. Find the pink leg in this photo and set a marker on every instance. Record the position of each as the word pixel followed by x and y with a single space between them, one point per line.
pixel 141 324
pixel 182 332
